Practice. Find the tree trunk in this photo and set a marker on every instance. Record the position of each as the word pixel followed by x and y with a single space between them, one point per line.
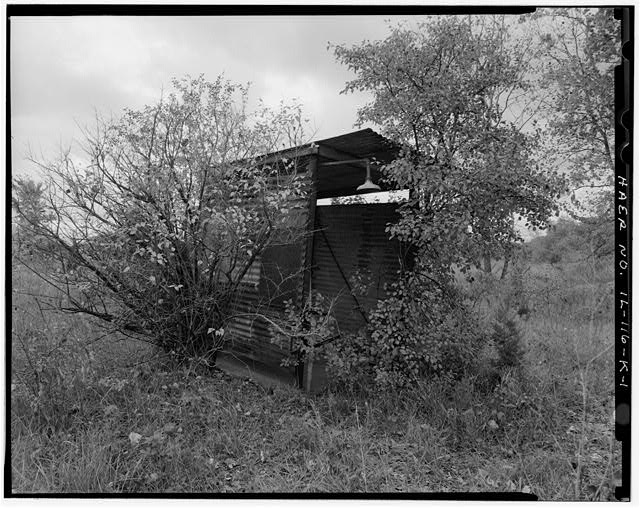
pixel 309 375
pixel 505 267
pixel 487 263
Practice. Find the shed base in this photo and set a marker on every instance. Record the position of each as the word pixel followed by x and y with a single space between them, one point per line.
pixel 263 374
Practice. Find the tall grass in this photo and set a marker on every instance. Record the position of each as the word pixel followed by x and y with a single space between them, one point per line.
pixel 105 417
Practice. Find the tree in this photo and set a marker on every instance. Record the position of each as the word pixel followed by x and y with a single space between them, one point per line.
pixel 580 47
pixel 445 92
pixel 168 209
pixel 450 92
pixel 28 203
pixel 569 240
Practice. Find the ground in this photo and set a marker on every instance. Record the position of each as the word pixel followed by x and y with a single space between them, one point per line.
pixel 110 416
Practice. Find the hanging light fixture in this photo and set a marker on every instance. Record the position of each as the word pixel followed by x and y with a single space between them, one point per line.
pixel 368 184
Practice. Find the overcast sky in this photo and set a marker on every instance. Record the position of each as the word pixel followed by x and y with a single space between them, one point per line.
pixel 65 68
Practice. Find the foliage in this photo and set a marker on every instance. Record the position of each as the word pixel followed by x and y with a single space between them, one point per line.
pixel 28 200
pixel 570 240
pixel 303 331
pixel 507 338
pixel 168 209
pixel 56 373
pixel 581 48
pixel 420 330
pixel 154 428
pixel 442 91
pixel 56 360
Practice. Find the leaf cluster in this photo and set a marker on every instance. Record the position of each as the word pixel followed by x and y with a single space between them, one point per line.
pixel 420 330
pixel 447 91
pixel 580 48
pixel 303 330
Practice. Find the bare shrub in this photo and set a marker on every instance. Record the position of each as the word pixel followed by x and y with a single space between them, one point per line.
pixel 155 226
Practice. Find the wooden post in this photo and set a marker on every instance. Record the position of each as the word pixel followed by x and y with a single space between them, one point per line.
pixel 312 169
pixel 309 373
pixel 505 267
pixel 487 263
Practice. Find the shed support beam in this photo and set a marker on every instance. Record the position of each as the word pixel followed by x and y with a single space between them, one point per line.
pixel 349 162
pixel 291 153
pixel 312 168
pixel 337 155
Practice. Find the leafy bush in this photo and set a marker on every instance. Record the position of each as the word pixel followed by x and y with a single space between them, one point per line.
pixel 570 240
pixel 421 329
pixel 304 330
pixel 350 362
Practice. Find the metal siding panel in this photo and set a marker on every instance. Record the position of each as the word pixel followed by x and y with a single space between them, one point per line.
pixel 249 336
pixel 358 239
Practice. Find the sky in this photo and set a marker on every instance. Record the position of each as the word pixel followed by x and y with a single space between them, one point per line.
pixel 64 69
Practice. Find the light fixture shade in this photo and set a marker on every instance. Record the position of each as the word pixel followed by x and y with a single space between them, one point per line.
pixel 368 185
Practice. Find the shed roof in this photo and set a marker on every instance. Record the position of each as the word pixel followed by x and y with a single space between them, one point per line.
pixel 363 143
pixel 343 173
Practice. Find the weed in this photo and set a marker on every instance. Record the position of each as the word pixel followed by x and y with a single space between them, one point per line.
pixel 538 419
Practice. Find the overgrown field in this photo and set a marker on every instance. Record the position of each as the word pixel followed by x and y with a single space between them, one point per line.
pixel 102 414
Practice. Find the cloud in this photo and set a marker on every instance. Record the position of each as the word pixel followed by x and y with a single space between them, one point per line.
pixel 64 69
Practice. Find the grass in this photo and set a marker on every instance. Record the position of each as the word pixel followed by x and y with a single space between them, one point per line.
pixel 108 416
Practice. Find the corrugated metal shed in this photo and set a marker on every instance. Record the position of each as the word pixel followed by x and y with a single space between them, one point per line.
pixel 344 242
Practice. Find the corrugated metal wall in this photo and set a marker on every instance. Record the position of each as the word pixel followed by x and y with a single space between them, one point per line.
pixel 351 240
pixel 263 290
pixel 348 240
